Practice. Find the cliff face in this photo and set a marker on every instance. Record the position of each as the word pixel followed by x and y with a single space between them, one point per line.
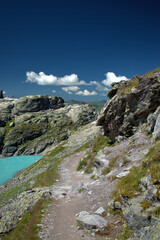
pixel 130 104
pixel 32 123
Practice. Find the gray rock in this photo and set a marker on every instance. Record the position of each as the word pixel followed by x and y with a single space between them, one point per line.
pixel 37 103
pixel 100 160
pixel 150 191
pixel 135 216
pixel 81 114
pixel 151 120
pixel 91 221
pixel 115 204
pixel 156 132
pixel 77 188
pixel 148 233
pixel 5 112
pixel 33 132
pixel 130 106
pixel 100 211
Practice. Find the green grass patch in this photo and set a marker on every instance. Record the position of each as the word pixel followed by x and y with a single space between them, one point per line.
pixel 126 233
pixel 130 185
pixel 82 163
pixel 51 174
pixel 112 161
pixel 83 147
pixel 89 167
pixel 100 142
pixel 156 212
pixel 145 205
pixel 129 86
pixel 27 228
pixel 152 162
pixel 125 161
pixel 105 171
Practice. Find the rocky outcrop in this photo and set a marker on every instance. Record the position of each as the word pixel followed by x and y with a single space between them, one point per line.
pixel 148 233
pixel 37 103
pixel 130 104
pixel 32 132
pixel 5 112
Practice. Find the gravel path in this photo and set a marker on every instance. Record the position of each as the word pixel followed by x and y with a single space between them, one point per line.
pixel 60 222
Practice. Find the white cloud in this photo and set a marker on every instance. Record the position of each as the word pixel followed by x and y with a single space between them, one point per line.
pixel 53 91
pixel 93 83
pixel 111 78
pixel 70 93
pixel 43 79
pixel 99 86
pixel 70 89
pixel 86 93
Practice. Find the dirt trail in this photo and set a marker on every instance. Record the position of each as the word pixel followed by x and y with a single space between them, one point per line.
pixel 60 222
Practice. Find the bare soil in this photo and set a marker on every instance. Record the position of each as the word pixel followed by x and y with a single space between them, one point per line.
pixel 60 221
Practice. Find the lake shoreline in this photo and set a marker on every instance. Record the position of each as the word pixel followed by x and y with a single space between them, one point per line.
pixel 11 166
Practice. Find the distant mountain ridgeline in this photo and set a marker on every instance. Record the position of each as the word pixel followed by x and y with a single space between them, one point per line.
pixel 97 104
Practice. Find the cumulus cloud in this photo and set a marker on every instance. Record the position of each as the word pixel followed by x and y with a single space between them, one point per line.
pixel 86 93
pixel 43 79
pixel 99 86
pixel 70 89
pixel 111 78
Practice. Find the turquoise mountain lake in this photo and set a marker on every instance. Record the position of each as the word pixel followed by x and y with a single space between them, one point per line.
pixel 10 165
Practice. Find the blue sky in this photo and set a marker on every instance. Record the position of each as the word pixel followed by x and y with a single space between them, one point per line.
pixel 74 44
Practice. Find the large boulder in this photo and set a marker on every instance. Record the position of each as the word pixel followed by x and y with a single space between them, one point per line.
pixel 37 103
pixel 130 104
pixel 91 221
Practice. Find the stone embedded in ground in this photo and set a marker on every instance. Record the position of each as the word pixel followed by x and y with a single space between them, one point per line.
pixel 91 221
pixel 100 211
pixel 123 174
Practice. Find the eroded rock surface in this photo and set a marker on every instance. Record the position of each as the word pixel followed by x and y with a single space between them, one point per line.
pixel 37 122
pixel 130 104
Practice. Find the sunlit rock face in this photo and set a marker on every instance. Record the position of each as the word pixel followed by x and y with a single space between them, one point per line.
pixel 130 104
pixel 31 124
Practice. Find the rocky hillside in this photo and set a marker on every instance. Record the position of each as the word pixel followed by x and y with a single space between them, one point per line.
pixel 130 105
pixel 32 123
pixel 102 182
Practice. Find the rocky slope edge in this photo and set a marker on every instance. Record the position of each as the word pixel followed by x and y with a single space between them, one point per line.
pixel 32 123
